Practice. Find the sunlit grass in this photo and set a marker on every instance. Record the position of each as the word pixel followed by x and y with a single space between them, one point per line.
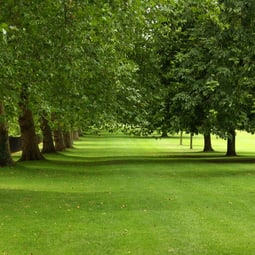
pixel 121 195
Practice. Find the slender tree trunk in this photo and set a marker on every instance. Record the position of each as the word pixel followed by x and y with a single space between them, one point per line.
pixel 48 143
pixel 68 138
pixel 5 154
pixel 181 136
pixel 207 143
pixel 231 144
pixel 59 140
pixel 191 141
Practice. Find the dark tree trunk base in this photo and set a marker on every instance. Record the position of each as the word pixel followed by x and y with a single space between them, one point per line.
pixel 31 157
pixel 164 134
pixel 231 144
pixel 191 141
pixel 207 143
pixel 29 139
pixel 181 138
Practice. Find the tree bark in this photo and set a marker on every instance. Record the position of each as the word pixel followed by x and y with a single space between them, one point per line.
pixel 164 133
pixel 181 136
pixel 59 140
pixel 231 144
pixel 5 154
pixel 29 139
pixel 207 143
pixel 191 141
pixel 75 135
pixel 48 143
pixel 68 138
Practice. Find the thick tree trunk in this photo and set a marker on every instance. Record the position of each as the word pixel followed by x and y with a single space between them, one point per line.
pixel 164 133
pixel 5 154
pixel 207 143
pixel 68 138
pixel 231 144
pixel 59 140
pixel 48 143
pixel 29 139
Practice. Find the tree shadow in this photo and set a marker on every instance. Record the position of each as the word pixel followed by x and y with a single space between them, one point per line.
pixel 177 165
pixel 76 202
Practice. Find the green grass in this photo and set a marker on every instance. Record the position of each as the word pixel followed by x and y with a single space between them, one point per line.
pixel 119 195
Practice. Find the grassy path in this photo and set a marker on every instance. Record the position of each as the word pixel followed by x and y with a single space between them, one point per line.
pixel 120 195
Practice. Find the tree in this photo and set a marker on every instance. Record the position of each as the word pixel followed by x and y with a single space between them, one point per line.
pixel 185 35
pixel 234 57
pixel 203 47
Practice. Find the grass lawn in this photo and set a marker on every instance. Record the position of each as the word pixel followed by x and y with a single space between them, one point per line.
pixel 120 195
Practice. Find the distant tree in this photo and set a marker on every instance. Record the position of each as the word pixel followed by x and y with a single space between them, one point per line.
pixel 185 34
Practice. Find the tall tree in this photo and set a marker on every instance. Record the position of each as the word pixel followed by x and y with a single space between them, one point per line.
pixel 185 34
pixel 234 56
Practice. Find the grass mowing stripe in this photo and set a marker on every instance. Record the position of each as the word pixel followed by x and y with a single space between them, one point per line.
pixel 122 195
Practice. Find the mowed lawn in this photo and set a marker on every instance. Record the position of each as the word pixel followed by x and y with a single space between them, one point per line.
pixel 122 195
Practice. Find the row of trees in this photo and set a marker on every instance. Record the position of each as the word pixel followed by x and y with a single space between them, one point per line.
pixel 172 65
pixel 206 53
pixel 62 64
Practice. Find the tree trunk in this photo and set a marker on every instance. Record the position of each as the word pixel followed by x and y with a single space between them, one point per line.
pixel 68 138
pixel 207 143
pixel 5 154
pixel 48 143
pixel 59 140
pixel 164 132
pixel 75 135
pixel 29 139
pixel 231 144
pixel 181 136
pixel 191 141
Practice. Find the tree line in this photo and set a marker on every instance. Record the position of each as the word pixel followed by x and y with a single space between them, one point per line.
pixel 172 66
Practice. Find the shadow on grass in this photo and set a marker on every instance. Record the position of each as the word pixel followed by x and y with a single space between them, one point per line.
pixel 197 157
pixel 71 202
pixel 172 166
